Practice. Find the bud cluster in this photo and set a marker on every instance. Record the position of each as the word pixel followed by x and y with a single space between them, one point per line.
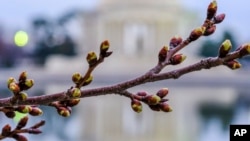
pixel 15 133
pixel 18 87
pixel 10 112
pixel 64 108
pixel 156 102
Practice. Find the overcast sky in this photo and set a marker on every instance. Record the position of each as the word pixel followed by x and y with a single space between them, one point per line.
pixel 18 13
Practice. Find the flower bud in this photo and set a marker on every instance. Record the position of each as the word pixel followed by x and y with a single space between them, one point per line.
pixel 91 59
pixel 233 64
pixel 154 107
pixel 22 123
pixel 23 76
pixel 162 92
pixel 88 80
pixel 36 111
pixel 11 80
pixel 19 137
pixel 210 30
pixel 244 49
pixel 6 130
pixel 22 96
pixel 28 83
pixel 104 47
pixel 165 107
pixel 34 131
pixel 152 99
pixel 63 111
pixel 14 87
pixel 211 10
pixel 175 41
pixel 76 93
pixel 76 77
pixel 24 109
pixel 142 93
pixel 136 105
pixel 225 48
pixel 163 54
pixel 10 114
pixel 72 102
pixel 177 59
pixel 196 33
pixel 219 18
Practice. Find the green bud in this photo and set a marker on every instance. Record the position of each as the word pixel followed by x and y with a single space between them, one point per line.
pixel 28 84
pixel 76 77
pixel 152 99
pixel 14 87
pixel 76 93
pixel 225 48
pixel 63 111
pixel 104 47
pixel 136 105
pixel 91 58
pixel 24 109
pixel 244 49
pixel 11 80
pixel 88 80
pixel 22 96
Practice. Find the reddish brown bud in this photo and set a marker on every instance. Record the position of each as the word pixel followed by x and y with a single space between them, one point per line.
pixel 165 107
pixel 36 111
pixel 244 49
pixel 154 107
pixel 225 48
pixel 34 131
pixel 211 10
pixel 19 137
pixel 23 76
pixel 76 77
pixel 142 93
pixel 163 54
pixel 6 130
pixel 88 80
pixel 136 105
pixel 197 33
pixel 10 114
pixel 22 123
pixel 24 109
pixel 91 59
pixel 63 111
pixel 152 99
pixel 162 92
pixel 39 124
pixel 177 59
pixel 210 30
pixel 233 64
pixel 219 18
pixel 175 41
pixel 72 102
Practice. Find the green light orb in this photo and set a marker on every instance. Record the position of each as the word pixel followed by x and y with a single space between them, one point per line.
pixel 21 38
